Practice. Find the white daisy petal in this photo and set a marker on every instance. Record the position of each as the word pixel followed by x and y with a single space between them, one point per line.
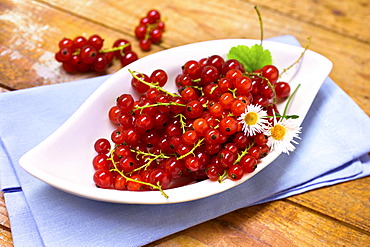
pixel 253 120
pixel 281 135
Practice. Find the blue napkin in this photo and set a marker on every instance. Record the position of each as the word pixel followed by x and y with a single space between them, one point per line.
pixel 334 146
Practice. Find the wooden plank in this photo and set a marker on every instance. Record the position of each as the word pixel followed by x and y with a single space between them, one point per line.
pixel 29 39
pixel 4 220
pixel 345 18
pixel 347 202
pixel 5 234
pixel 5 238
pixel 271 224
pixel 237 19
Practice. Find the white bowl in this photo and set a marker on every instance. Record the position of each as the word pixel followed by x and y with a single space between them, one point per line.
pixel 72 170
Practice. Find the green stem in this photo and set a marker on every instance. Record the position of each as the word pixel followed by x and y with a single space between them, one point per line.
pixel 299 58
pixel 244 152
pixel 158 104
pixel 260 20
pixel 118 48
pixel 233 91
pixel 222 177
pixel 182 122
pixel 158 186
pixel 290 99
pixel 150 84
pixel 192 150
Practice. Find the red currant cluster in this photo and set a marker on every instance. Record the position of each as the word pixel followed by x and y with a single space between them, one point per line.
pixel 149 30
pixel 82 55
pixel 195 134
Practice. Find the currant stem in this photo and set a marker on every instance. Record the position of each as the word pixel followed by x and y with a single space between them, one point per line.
pixel 158 186
pixel 299 58
pixel 118 48
pixel 150 27
pixel 158 104
pixel 150 84
pixel 161 155
pixel 222 177
pixel 182 122
pixel 147 164
pixel 192 150
pixel 244 152
pixel 261 23
pixel 233 91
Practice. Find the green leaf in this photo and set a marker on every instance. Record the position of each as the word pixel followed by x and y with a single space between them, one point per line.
pixel 252 58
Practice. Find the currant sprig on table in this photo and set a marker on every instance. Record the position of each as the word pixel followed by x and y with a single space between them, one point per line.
pixel 150 30
pixel 80 55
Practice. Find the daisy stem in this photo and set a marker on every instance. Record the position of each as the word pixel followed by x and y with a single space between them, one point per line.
pixel 290 99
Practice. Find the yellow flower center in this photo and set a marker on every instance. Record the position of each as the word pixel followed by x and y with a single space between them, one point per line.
pixel 278 132
pixel 251 118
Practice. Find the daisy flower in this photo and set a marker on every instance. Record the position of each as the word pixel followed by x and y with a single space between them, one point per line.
pixel 253 120
pixel 281 135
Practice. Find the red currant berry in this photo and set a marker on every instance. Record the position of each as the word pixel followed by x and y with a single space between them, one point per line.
pixel 66 43
pixel 193 69
pixel 194 109
pixel 127 164
pixel 102 146
pixel 79 42
pixel 153 16
pixel 174 167
pixel 113 114
pixel 209 74
pixel 189 137
pixel 138 85
pixel 201 126
pixel 235 172
pixel 161 177
pixel 135 186
pixel 192 163
pixel 128 58
pixel 155 35
pixel 159 76
pixel 249 163
pixel 145 44
pixel 100 161
pixel 95 41
pixel 119 43
pixel 271 73
pixel 119 182
pixel 228 125
pixel 89 54
pixel 140 31
pixel 282 89
pixel 125 102
pixel 103 178
pixel 214 171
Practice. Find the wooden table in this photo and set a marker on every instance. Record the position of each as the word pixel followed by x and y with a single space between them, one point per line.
pixel 333 216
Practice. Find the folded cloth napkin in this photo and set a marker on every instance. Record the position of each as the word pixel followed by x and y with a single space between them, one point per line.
pixel 334 146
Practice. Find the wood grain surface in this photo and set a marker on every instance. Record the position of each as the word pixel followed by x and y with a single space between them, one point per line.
pixel 337 215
